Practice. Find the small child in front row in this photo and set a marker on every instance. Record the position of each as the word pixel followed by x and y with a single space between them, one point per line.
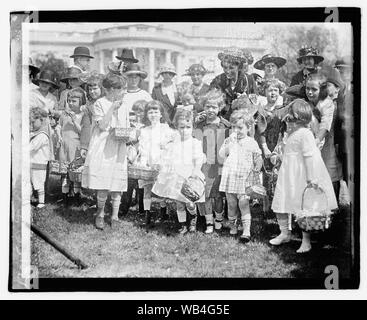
pixel 212 129
pixel 39 151
pixel 136 116
pixel 71 123
pixel 302 166
pixel 183 159
pixel 240 170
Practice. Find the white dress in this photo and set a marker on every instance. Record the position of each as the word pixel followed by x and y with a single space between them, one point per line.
pixel 105 166
pixel 131 97
pixel 47 103
pixel 39 156
pixel 152 140
pixel 292 174
pixel 178 165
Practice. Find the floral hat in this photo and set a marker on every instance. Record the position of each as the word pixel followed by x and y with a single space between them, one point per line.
pixel 234 54
pixel 196 68
pixel 309 52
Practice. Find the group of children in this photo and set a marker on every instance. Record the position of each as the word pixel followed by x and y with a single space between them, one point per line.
pixel 226 157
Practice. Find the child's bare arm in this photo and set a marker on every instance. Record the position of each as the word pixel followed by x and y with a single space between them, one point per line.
pixel 258 161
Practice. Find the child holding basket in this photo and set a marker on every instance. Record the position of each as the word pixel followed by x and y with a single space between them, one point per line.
pixel 105 168
pixel 302 166
pixel 183 159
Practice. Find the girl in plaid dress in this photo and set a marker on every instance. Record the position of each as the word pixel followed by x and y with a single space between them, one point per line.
pixel 241 169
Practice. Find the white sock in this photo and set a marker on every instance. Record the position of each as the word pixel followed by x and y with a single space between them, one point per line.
pixel 116 200
pixel 246 223
pixel 101 201
pixel 181 216
pixel 218 216
pixel 209 219
pixel 41 196
pixel 147 204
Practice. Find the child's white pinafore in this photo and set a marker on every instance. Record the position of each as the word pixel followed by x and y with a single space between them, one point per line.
pixel 292 174
pixel 178 166
pixel 105 166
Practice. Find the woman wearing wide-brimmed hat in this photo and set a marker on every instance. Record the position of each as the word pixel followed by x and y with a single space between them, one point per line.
pixel 44 99
pixel 234 81
pixel 198 87
pixel 72 80
pixel 166 91
pixel 134 75
pixel 309 58
pixel 33 71
pixel 270 64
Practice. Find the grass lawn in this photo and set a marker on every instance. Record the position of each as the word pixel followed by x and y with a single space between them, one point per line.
pixel 133 251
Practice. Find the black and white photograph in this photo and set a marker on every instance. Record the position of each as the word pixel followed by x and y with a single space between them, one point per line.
pixel 185 155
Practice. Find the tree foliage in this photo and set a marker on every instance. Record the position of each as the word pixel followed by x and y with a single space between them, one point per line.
pixel 285 41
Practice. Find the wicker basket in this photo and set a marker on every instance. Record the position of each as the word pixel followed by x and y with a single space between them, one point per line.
pixel 193 188
pixel 142 173
pixel 256 192
pixel 75 169
pixel 313 220
pixel 125 133
pixel 57 167
pixel 75 176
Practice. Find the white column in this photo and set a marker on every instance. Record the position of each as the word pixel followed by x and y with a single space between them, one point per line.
pixel 114 54
pixel 151 69
pixel 179 67
pixel 101 61
pixel 168 56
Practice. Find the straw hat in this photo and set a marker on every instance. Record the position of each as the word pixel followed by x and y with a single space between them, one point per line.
pixel 196 68
pixel 309 52
pixel 134 69
pixel 269 58
pixel 46 76
pixel 81 52
pixel 167 67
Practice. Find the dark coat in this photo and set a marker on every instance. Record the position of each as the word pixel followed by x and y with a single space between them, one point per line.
pixel 300 78
pixel 170 109
pixel 245 84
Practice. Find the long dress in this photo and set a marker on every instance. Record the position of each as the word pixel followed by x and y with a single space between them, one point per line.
pixel 70 146
pixel 292 178
pixel 105 166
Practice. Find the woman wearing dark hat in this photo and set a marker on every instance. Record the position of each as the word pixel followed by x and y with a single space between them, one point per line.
pixel 309 59
pixel 81 58
pixel 270 64
pixel 166 91
pixel 72 81
pixel 44 99
pixel 134 76
pixel 234 81
pixel 33 71
pixel 197 88
pixel 126 58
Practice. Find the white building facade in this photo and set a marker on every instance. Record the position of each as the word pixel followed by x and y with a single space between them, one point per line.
pixel 152 45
